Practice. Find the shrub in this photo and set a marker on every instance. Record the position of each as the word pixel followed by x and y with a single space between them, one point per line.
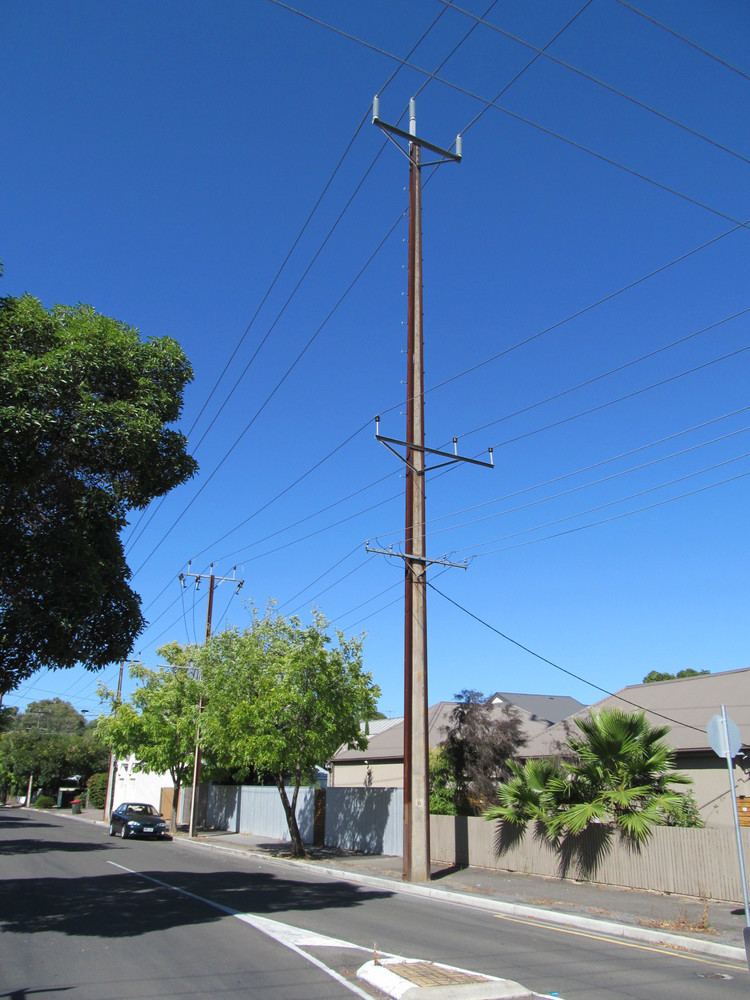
pixel 97 787
pixel 44 802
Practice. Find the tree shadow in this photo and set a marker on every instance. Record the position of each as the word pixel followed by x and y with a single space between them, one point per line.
pixel 357 819
pixel 584 852
pixel 14 824
pixel 27 846
pixel 579 855
pixel 125 905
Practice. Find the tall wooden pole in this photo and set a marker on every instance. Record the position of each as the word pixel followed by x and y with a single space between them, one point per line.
pixel 416 776
pixel 197 757
pixel 110 800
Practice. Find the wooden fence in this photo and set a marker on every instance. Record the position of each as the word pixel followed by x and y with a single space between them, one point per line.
pixel 701 863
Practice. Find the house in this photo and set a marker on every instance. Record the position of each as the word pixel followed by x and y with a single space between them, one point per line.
pixel 381 765
pixel 685 705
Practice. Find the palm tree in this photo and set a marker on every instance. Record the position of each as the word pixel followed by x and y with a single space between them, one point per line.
pixel 620 776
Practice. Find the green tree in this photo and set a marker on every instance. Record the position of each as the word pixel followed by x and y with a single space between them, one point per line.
pixel 442 785
pixel 657 675
pixel 281 698
pixel 619 775
pixel 476 748
pixel 52 741
pixel 84 405
pixel 158 725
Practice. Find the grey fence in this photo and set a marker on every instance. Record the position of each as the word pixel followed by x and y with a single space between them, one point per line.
pixel 368 820
pixel 256 810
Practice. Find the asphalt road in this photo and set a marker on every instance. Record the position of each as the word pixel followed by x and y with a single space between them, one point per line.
pixel 85 916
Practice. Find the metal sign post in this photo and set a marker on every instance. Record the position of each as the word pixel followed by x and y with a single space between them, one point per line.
pixel 725 740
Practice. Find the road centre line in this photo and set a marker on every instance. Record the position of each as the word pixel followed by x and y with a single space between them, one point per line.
pixel 668 952
pixel 283 934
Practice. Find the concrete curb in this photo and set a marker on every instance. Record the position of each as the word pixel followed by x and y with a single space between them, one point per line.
pixel 610 928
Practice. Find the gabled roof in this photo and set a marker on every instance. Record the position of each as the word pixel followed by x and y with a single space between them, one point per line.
pixel 685 704
pixel 550 708
pixel 388 743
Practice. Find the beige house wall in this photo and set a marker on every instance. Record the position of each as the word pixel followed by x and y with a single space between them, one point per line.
pixel 711 786
pixel 385 774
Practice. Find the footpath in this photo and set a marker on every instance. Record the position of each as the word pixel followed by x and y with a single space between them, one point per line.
pixel 685 924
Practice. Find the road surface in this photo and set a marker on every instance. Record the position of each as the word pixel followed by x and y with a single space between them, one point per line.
pixel 86 917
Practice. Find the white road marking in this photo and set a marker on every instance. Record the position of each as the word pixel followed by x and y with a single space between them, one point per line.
pixel 293 938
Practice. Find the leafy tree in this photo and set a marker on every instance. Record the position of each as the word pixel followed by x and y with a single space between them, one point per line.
pixel 477 746
pixel 619 775
pixel 97 789
pixel 282 699
pixel 158 726
pixel 657 675
pixel 442 785
pixel 83 408
pixel 52 741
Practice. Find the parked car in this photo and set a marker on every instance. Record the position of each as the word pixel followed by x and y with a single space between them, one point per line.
pixel 137 819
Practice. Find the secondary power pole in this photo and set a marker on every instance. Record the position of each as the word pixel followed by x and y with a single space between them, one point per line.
pixel 111 770
pixel 213 579
pixel 416 846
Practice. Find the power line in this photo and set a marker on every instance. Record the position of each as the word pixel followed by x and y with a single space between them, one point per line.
pixel 317 579
pixel 315 255
pixel 557 666
pixel 615 517
pixel 611 371
pixel 683 38
pixel 543 129
pixel 272 393
pixel 287 257
pixel 619 399
pixel 330 586
pixel 574 489
pixel 481 19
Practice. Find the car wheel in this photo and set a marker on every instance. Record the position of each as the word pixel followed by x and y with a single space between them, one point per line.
pixel 124 832
pixel 111 829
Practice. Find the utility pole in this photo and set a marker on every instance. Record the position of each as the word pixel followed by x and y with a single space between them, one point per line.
pixel 212 581
pixel 416 843
pixel 110 799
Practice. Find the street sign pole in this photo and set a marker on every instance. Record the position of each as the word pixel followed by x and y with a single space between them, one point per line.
pixel 725 742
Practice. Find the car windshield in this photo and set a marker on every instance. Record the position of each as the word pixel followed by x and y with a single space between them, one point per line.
pixel 141 809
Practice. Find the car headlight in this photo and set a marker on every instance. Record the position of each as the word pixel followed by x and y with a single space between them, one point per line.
pixel 133 822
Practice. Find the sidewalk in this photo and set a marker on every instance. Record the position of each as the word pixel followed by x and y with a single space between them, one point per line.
pixel 685 923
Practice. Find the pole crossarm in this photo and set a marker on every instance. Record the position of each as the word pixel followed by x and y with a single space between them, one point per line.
pixel 446 155
pixel 411 557
pixel 452 457
pixel 211 576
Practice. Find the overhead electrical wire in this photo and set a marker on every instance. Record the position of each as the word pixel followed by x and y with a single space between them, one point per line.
pixel 683 38
pixel 281 268
pixel 538 126
pixel 614 517
pixel 481 19
pixel 367 264
pixel 557 666
pixel 735 228
pixel 572 489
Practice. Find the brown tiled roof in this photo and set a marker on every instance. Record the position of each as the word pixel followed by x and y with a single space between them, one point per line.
pixel 687 704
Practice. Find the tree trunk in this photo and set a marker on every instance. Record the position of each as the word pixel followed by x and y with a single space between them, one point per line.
pixel 298 848
pixel 175 802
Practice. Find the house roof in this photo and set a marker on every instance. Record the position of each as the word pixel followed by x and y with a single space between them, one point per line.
pixel 388 743
pixel 551 708
pixel 686 705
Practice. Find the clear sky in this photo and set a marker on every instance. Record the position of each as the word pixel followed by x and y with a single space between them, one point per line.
pixel 160 161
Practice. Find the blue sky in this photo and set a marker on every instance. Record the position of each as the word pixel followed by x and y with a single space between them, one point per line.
pixel 159 163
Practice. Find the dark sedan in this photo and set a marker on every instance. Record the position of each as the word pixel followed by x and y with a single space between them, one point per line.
pixel 137 819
